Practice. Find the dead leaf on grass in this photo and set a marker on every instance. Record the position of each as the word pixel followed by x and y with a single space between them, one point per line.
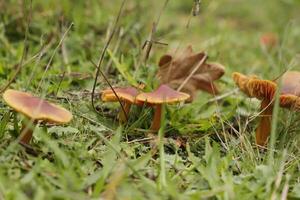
pixel 189 72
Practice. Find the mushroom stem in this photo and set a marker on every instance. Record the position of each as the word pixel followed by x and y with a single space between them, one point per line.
pixel 26 132
pixel 155 126
pixel 123 114
pixel 264 128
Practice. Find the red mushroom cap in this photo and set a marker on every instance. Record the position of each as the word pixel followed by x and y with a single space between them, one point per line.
pixel 163 94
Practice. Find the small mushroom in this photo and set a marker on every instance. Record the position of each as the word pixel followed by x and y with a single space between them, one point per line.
pixel 264 90
pixel 126 95
pixel 35 109
pixel 162 95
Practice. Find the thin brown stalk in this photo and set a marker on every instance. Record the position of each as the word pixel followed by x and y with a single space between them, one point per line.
pixel 192 72
pixel 149 43
pixel 112 88
pixel 98 66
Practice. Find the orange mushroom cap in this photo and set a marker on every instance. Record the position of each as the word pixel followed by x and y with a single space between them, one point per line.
pixel 265 89
pixel 36 108
pixel 290 90
pixel 255 87
pixel 126 94
pixel 163 94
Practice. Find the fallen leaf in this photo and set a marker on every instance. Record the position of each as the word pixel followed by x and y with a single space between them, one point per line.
pixel 188 72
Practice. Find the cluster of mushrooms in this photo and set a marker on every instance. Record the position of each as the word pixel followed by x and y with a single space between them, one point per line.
pixel 38 110
pixel 131 96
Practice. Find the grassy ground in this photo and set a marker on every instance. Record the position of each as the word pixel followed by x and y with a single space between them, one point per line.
pixel 96 157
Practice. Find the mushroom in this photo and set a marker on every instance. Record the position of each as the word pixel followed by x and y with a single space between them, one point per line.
pixel 163 94
pixel 126 95
pixel 35 109
pixel 265 90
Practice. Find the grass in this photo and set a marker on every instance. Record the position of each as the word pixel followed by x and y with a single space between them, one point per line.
pixel 94 157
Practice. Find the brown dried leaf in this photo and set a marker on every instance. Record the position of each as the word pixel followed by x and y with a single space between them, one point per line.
pixel 183 70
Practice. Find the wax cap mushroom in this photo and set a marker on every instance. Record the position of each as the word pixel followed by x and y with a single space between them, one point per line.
pixel 290 90
pixel 255 87
pixel 265 90
pixel 126 95
pixel 35 109
pixel 163 94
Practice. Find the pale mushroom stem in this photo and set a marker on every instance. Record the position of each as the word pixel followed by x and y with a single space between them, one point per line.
pixel 123 115
pixel 26 133
pixel 264 128
pixel 155 126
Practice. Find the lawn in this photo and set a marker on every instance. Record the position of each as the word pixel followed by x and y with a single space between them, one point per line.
pixel 204 149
